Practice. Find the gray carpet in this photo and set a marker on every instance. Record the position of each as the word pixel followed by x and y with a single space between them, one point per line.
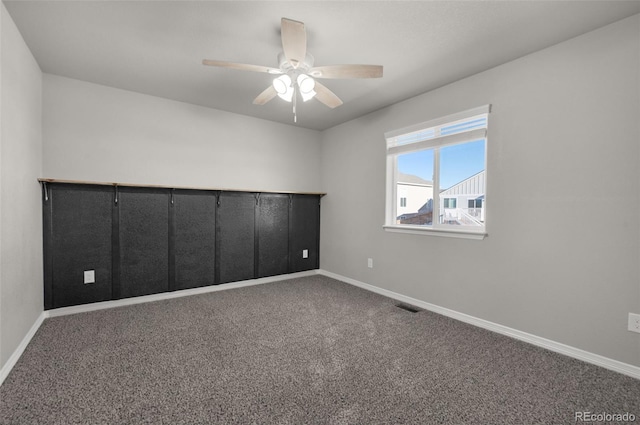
pixel 303 351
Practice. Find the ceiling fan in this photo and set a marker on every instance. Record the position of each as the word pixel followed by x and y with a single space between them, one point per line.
pixel 296 73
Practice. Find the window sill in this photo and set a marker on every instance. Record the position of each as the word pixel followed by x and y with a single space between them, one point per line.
pixel 446 233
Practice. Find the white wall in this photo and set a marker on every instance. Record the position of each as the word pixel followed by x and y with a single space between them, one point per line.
pixel 561 260
pixel 20 205
pixel 97 133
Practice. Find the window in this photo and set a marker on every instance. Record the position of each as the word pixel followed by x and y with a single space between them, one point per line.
pixel 475 203
pixel 450 203
pixel 436 179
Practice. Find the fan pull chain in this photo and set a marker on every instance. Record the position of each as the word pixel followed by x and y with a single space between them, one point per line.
pixel 295 99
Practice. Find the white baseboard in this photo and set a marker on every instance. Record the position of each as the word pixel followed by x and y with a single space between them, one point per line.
pixel 64 311
pixel 4 372
pixel 596 359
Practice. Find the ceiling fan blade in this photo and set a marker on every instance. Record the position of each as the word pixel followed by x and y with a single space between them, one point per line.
pixel 265 96
pixel 326 96
pixel 242 66
pixel 346 71
pixel 294 41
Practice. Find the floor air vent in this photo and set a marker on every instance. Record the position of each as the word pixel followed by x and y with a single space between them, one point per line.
pixel 409 308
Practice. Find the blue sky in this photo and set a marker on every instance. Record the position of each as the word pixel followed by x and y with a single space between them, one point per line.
pixel 457 162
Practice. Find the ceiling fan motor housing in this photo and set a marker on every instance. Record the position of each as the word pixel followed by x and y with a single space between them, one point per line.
pixel 286 66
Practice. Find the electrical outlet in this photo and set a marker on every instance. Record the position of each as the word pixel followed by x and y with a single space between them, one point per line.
pixel 89 276
pixel 305 253
pixel 370 263
pixel 634 322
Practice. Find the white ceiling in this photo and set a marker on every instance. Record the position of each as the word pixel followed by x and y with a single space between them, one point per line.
pixel 157 47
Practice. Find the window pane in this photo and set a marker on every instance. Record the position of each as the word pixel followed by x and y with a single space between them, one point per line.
pixel 450 202
pixel 415 188
pixel 462 179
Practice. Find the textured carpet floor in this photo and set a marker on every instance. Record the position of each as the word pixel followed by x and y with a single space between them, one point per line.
pixel 303 351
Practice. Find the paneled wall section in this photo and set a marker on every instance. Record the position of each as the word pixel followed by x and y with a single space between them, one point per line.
pixel 141 240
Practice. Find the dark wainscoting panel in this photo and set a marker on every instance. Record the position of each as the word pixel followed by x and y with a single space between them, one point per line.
pixel 235 229
pixel 80 230
pixel 195 238
pixel 144 241
pixel 304 233
pixel 148 240
pixel 273 234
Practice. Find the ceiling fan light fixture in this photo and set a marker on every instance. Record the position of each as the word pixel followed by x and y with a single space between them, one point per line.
pixel 307 96
pixel 283 87
pixel 297 72
pixel 306 85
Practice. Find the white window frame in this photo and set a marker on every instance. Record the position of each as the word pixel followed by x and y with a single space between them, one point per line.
pixel 421 137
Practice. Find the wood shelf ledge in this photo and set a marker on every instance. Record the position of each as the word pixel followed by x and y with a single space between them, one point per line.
pixel 157 186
